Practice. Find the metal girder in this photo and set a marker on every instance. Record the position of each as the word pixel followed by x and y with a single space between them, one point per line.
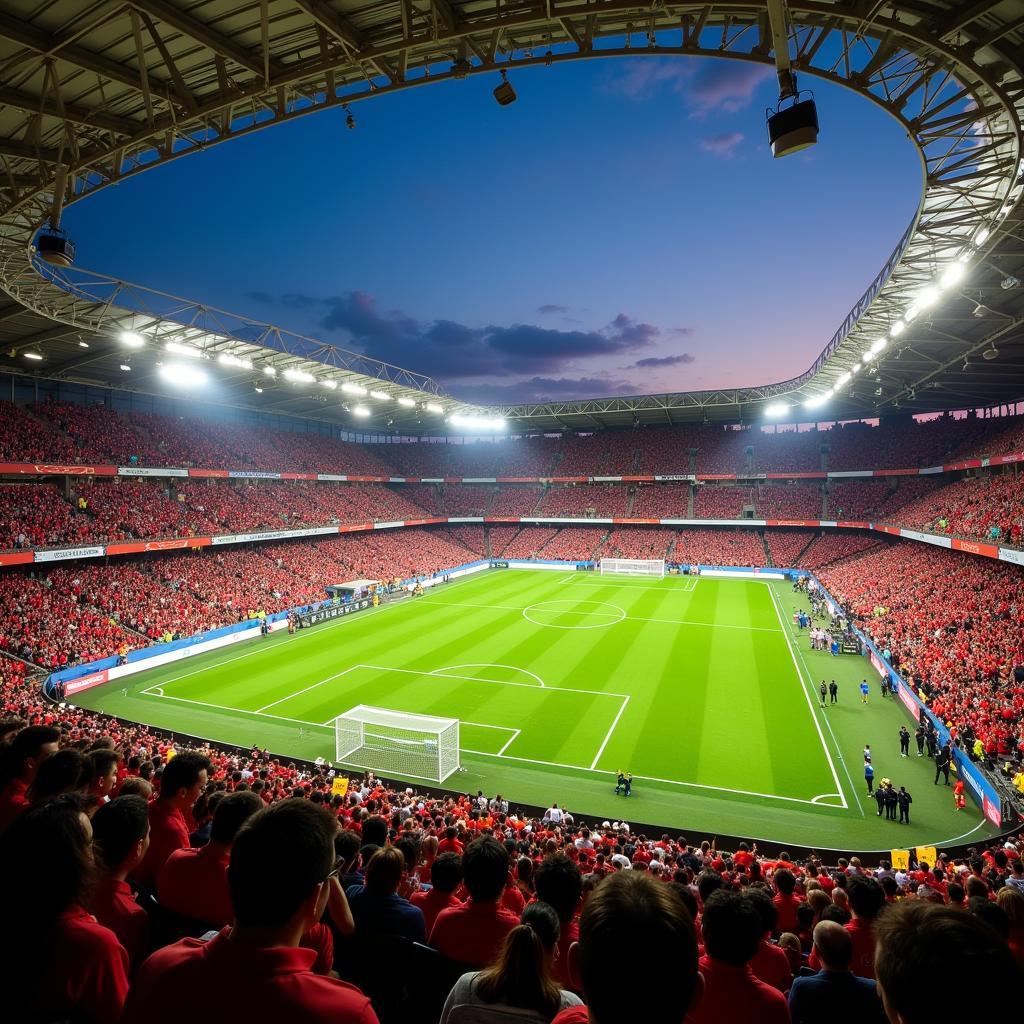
pixel 68 111
pixel 961 103
pixel 169 14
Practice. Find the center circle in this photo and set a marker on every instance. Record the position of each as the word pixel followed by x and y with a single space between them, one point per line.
pixel 570 614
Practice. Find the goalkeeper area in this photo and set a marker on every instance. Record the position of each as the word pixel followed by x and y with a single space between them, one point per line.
pixel 702 688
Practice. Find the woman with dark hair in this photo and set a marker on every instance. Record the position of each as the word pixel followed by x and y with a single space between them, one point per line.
pixel 522 977
pixel 524 878
pixel 55 959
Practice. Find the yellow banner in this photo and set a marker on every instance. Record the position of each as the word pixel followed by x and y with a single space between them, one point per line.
pixel 901 859
pixel 339 787
pixel 928 854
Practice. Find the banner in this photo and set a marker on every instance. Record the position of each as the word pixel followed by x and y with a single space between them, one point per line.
pixel 149 471
pixel 499 565
pixel 928 854
pixel 85 682
pixel 333 611
pixel 339 787
pixel 878 664
pixel 61 554
pixel 900 859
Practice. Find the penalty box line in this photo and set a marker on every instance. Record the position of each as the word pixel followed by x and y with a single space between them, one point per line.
pixel 816 802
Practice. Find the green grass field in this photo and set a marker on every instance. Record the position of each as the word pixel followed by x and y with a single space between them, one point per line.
pixel 700 687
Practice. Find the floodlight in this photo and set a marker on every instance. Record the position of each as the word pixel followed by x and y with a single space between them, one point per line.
pixel 1009 282
pixel 433 407
pixel 125 367
pixel 132 340
pixel 258 389
pixel 990 353
pixel 777 409
pixel 982 236
pixel 34 355
pixel 270 371
pixel 844 379
pixel 897 329
pixel 504 93
pixel 953 274
pixel 911 314
pixel 877 345
pixel 299 376
pixel 227 359
pixel 793 128
pixel 867 357
pixel 381 396
pixel 332 384
pixel 182 375
pixel 55 247
pixel 816 401
pixel 353 389
pixel 183 350
pixel 407 402
pixel 82 343
pixel 927 297
pixel 360 410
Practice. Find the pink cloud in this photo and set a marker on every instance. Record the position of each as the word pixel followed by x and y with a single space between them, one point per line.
pixel 722 145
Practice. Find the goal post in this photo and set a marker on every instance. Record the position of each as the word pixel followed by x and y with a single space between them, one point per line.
pixel 397 743
pixel 632 567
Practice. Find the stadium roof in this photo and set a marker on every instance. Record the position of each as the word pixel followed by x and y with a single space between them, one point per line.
pixel 93 91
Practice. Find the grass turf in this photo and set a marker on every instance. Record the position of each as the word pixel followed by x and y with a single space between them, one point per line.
pixel 701 688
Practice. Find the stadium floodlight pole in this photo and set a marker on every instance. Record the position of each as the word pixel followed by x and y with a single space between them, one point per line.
pixel 795 127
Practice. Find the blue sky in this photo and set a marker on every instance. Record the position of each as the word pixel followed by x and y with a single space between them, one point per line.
pixel 622 228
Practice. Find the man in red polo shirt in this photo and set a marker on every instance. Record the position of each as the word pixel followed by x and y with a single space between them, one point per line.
pixel 786 901
pixel 630 911
pixel 867 898
pixel 472 933
pixel 194 883
pixel 732 929
pixel 445 876
pixel 279 875
pixel 182 781
pixel 120 835
pixel 22 758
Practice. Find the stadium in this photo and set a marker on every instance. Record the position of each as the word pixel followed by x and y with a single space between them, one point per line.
pixel 340 681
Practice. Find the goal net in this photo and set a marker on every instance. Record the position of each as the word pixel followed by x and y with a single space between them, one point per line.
pixel 632 567
pixel 393 742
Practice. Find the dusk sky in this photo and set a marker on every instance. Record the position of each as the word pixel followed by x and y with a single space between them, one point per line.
pixel 622 228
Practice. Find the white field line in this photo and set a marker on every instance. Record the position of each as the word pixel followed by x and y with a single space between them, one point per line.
pixel 628 618
pixel 839 751
pixel 500 682
pixel 268 644
pixel 312 686
pixel 522 760
pixel 511 740
pixel 487 664
pixel 807 697
pixel 608 734
pixel 567 579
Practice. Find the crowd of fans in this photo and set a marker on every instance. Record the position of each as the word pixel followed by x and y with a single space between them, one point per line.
pixel 166 882
pixel 62 431
pixel 953 627
pixel 785 546
pixel 718 547
pixel 721 502
pixel 789 501
pixel 831 546
pixel 585 500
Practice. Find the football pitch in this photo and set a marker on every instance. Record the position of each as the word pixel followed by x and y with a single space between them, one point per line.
pixel 701 687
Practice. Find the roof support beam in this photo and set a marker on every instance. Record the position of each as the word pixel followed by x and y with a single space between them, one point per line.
pixel 76 115
pixel 41 42
pixel 333 23
pixel 201 33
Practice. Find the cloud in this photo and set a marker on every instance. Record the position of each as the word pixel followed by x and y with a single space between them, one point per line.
pixel 704 86
pixel 723 145
pixel 450 350
pixel 656 361
pixel 551 307
pixel 726 84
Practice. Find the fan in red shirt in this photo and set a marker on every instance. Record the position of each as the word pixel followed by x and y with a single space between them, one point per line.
pixel 120 840
pixel 733 930
pixel 559 883
pixel 445 876
pixel 280 876
pixel 867 898
pixel 785 900
pixel 631 911
pixel 22 758
pixel 472 933
pixel 56 961
pixel 182 781
pixel 770 963
pixel 194 883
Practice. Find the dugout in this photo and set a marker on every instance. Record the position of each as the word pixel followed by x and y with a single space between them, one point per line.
pixel 353 590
